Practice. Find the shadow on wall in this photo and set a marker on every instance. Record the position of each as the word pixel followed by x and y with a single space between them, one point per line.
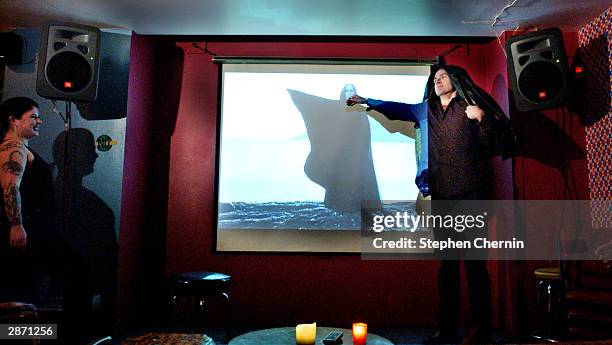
pixel 88 223
pixel 544 140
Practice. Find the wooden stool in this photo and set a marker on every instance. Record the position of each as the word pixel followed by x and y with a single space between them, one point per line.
pixel 548 324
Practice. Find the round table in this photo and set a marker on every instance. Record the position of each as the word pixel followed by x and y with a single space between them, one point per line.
pixel 286 336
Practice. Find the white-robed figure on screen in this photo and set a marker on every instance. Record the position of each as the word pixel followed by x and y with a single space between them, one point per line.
pixel 340 158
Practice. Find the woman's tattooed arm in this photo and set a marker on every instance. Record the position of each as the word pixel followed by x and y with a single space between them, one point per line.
pixel 13 158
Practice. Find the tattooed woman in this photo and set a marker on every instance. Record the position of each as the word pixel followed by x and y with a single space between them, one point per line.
pixel 19 122
pixel 31 243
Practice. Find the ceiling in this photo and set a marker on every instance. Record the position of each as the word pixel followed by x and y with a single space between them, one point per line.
pixel 307 17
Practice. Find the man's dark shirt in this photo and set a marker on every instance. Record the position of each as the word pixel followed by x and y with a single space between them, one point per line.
pixel 456 146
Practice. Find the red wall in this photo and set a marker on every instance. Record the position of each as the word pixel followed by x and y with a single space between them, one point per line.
pixel 503 274
pixel 285 289
pixel 151 114
pixel 532 179
pixel 133 202
pixel 6 27
pixel 536 180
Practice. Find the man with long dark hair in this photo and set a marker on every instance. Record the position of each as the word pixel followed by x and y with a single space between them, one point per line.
pixel 459 136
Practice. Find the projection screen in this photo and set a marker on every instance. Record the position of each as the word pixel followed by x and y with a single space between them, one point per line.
pixel 295 163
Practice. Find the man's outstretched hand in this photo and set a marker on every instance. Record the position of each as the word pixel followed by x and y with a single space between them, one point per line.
pixel 356 99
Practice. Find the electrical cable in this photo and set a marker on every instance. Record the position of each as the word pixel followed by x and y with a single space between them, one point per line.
pixel 204 49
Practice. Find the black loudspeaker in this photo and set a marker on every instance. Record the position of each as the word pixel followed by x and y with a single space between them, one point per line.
pixel 538 69
pixel 68 62
pixel 11 48
pixel 111 102
pixel 591 88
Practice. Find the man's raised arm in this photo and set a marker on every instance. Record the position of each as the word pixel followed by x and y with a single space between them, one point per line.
pixel 393 110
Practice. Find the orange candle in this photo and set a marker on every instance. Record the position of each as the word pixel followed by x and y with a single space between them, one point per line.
pixel 360 333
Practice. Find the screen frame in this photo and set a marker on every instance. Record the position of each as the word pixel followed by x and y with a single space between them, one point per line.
pixel 277 245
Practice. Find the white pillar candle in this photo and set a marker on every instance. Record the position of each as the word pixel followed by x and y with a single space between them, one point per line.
pixel 306 333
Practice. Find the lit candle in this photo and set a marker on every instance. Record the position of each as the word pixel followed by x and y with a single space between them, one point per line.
pixel 306 333
pixel 360 333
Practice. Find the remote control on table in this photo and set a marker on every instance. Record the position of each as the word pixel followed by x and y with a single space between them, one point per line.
pixel 333 337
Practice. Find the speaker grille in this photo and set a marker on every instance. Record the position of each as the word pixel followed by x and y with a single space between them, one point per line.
pixel 69 72
pixel 540 82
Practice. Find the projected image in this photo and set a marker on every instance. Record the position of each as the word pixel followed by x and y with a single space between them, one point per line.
pixel 293 156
